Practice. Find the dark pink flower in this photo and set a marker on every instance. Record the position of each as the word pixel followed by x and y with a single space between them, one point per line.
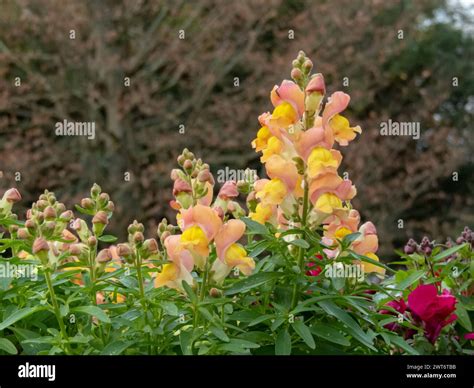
pixel 316 268
pixel 398 305
pixel 469 336
pixel 433 310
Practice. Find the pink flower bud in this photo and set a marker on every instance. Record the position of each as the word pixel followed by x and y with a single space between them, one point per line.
pixel 12 195
pixel 100 218
pixel 316 85
pixel 23 234
pixel 49 213
pixel 181 186
pixel 123 250
pixel 104 256
pixel 40 245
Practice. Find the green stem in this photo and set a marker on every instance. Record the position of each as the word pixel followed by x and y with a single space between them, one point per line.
pixel 57 311
pixel 294 298
pixel 143 301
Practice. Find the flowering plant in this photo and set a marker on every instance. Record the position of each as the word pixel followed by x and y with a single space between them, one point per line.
pixel 294 273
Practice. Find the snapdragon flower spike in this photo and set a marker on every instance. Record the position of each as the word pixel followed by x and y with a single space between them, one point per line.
pixel 203 228
pixel 297 141
pixel 295 130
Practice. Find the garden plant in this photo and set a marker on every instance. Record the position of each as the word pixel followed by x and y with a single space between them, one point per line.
pixel 280 265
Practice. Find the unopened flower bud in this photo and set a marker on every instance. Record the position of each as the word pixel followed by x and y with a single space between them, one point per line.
pixel 12 195
pixel 23 234
pixel 92 241
pixel 410 247
pixel 135 226
pixel 296 74
pixel 66 216
pixel 165 235
pixel 30 225
pixel 174 174
pixel 124 250
pixel 138 238
pixel 42 204
pixel 316 85
pixel 104 256
pixel 40 248
pixel 60 208
pixel 110 207
pixel 68 236
pixel 308 65
pixel 99 222
pixel 95 190
pixel 100 218
pixel 188 166
pixel 49 227
pixel 150 247
pixel 76 249
pixel 301 56
pixel 103 199
pixel 49 213
pixel 214 292
pixel 181 159
pixel 426 246
pixel 87 203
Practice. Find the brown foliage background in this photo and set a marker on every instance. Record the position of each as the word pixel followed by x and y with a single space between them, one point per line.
pixel 191 82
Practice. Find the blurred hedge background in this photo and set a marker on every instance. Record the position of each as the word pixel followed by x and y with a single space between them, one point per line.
pixel 191 82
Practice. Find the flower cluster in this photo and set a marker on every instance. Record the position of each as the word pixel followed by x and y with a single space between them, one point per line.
pixel 205 228
pixel 297 141
pixel 428 310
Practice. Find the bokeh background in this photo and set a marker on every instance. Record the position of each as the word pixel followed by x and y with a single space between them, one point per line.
pixel 190 82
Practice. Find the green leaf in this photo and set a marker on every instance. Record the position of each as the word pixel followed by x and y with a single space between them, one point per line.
pixel 399 341
pixel 350 238
pixel 84 211
pixel 371 261
pixel 115 348
pixel 300 243
pixel 185 338
pixel 238 345
pixel 463 317
pixel 253 281
pixel 7 346
pixel 94 311
pixel 303 331
pixel 448 252
pixel 189 291
pixel 353 327
pixel 259 248
pixel 19 315
pixel 329 333
pixel 108 238
pixel 410 279
pixel 219 333
pixel 254 227
pixel 283 343
pixel 260 319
